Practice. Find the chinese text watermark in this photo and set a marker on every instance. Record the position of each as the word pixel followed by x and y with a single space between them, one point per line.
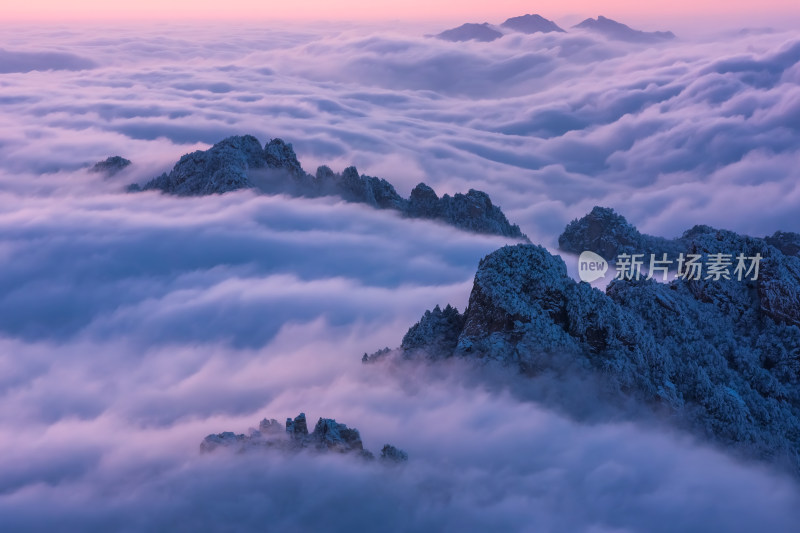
pixel 712 267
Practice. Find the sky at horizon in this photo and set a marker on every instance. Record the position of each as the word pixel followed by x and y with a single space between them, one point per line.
pixel 360 10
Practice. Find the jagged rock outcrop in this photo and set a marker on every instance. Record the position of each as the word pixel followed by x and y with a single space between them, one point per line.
pixel 423 202
pixel 471 32
pixel 241 162
pixel 721 356
pixel 616 30
pixel 110 166
pixel 473 211
pixel 280 155
pixel 607 233
pixel 328 436
pixel 355 187
pixel 531 24
pixel 437 331
pixel 376 356
pixel 393 455
pixel 785 241
pixel 221 168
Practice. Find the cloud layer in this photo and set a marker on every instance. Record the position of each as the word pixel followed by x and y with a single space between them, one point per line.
pixel 131 326
pixel 549 124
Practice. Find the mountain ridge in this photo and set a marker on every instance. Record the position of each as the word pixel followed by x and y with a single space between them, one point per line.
pixel 535 23
pixel 240 162
pixel 721 358
pixel 616 30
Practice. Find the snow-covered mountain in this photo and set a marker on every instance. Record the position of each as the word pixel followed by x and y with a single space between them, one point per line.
pixel 720 358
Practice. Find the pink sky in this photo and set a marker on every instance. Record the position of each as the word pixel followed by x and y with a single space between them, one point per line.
pixel 463 10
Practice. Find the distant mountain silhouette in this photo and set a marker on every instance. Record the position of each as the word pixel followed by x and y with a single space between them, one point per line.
pixel 471 32
pixel 531 24
pixel 616 30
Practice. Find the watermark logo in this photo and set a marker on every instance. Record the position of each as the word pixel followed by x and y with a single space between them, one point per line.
pixel 710 267
pixel 713 267
pixel 591 266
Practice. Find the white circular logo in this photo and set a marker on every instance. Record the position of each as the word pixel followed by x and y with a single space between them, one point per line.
pixel 591 266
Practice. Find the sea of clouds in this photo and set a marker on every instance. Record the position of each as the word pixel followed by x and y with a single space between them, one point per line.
pixel 131 326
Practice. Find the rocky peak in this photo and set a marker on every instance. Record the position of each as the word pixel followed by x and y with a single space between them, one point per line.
pixel 617 30
pixel 297 428
pixel 325 174
pixel 221 168
pixel 245 146
pixel 423 201
pixel 722 356
pixel 437 331
pixel 270 427
pixel 280 155
pixel 531 24
pixel 609 234
pixel 786 241
pixel 110 166
pixel 606 233
pixel 228 166
pixel 355 189
pixel 471 32
pixel 474 211
pixel 333 435
pixel 394 455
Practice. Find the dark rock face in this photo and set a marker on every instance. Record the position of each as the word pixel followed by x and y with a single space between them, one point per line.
pixel 471 32
pixel 328 436
pixel 110 166
pixel 423 203
pixel 616 30
pixel 607 233
pixel 531 24
pixel 394 455
pixel 279 155
pixel 221 168
pixel 297 428
pixel 437 331
pixel 722 357
pixel 785 241
pixel 355 187
pixel 376 356
pixel 240 162
pixel 473 211
pixel 335 436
